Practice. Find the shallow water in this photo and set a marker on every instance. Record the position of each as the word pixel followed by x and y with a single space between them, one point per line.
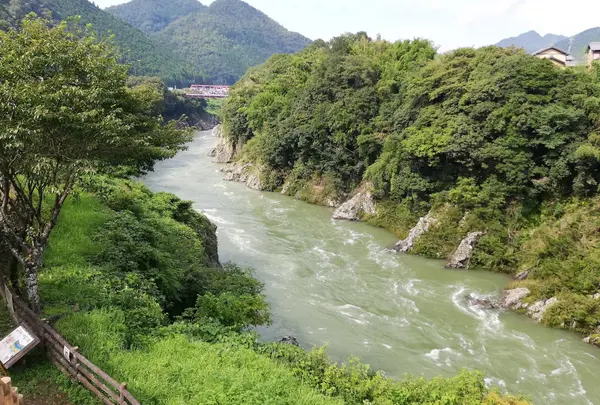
pixel 332 282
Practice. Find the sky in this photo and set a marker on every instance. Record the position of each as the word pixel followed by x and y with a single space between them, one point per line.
pixel 448 23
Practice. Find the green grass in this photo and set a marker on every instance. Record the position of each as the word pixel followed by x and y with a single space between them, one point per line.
pixel 71 242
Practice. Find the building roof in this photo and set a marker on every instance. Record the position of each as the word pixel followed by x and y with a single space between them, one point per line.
pixel 551 47
pixel 594 46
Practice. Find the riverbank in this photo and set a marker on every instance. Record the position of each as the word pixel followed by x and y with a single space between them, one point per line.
pixel 445 233
pixel 331 282
pixel 486 158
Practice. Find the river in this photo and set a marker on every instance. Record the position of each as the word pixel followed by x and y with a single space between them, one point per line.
pixel 331 282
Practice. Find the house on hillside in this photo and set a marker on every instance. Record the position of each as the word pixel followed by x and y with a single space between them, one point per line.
pixel 593 52
pixel 556 55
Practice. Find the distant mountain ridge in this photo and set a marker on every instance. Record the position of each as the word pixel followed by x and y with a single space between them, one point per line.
pixel 223 40
pixel 532 41
pixel 576 45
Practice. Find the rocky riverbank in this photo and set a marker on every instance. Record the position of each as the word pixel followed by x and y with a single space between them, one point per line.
pixel 362 205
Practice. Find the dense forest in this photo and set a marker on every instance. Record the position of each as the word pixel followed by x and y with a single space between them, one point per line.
pixel 222 40
pixel 133 277
pixel 486 140
pixel 147 57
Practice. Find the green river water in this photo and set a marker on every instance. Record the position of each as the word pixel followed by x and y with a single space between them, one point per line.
pixel 331 282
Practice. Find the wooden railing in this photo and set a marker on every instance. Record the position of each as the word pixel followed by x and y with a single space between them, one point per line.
pixel 9 395
pixel 67 357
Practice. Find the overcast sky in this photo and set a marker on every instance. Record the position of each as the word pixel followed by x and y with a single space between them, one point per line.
pixel 448 23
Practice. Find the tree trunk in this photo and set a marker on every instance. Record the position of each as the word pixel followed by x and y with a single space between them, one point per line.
pixel 33 293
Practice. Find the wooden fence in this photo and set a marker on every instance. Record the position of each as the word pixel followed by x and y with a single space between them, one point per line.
pixel 9 395
pixel 67 358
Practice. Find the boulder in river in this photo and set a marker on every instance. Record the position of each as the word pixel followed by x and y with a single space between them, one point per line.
pixel 512 299
pixel 362 203
pixel 462 255
pixel 485 303
pixel 289 340
pixel 415 233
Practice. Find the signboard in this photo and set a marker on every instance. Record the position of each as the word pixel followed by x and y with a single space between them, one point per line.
pixel 67 353
pixel 16 345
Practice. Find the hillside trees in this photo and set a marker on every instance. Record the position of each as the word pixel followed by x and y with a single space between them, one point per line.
pixel 65 112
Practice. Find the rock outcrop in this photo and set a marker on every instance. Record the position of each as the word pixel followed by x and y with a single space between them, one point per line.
pixel 362 203
pixel 224 152
pixel 596 296
pixel 462 255
pixel 415 233
pixel 537 309
pixel 244 173
pixel 523 275
pixel 513 299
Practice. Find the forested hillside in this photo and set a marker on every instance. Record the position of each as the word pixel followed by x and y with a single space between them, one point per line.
pixel 491 141
pixel 222 40
pixel 147 57
pixel 151 16
pixel 578 43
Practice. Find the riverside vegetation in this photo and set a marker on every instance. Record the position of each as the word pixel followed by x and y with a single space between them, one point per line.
pixel 131 277
pixel 488 140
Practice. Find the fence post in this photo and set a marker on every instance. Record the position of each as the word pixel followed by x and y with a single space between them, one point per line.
pixel 122 394
pixel 7 390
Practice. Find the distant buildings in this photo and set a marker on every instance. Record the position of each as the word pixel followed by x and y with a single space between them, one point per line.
pixel 555 55
pixel 593 52
pixel 564 59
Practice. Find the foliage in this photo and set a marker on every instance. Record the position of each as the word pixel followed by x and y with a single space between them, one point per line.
pixel 487 139
pixel 145 56
pixel 65 112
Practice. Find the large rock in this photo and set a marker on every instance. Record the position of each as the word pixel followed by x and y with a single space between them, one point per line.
pixel 224 152
pixel 537 309
pixel 362 203
pixel 218 131
pixel 513 299
pixel 462 255
pixel 415 233
pixel 244 173
pixel 290 340
pixel 596 296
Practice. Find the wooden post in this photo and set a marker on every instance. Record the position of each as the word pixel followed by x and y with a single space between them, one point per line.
pixel 7 388
pixel 15 395
pixel 122 394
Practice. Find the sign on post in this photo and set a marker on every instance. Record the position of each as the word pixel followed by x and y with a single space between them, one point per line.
pixel 16 345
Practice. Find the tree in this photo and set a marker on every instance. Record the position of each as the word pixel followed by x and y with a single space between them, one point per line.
pixel 65 113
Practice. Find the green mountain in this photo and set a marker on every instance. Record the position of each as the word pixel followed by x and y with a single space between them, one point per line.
pixel 152 16
pixel 222 40
pixel 532 41
pixel 146 56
